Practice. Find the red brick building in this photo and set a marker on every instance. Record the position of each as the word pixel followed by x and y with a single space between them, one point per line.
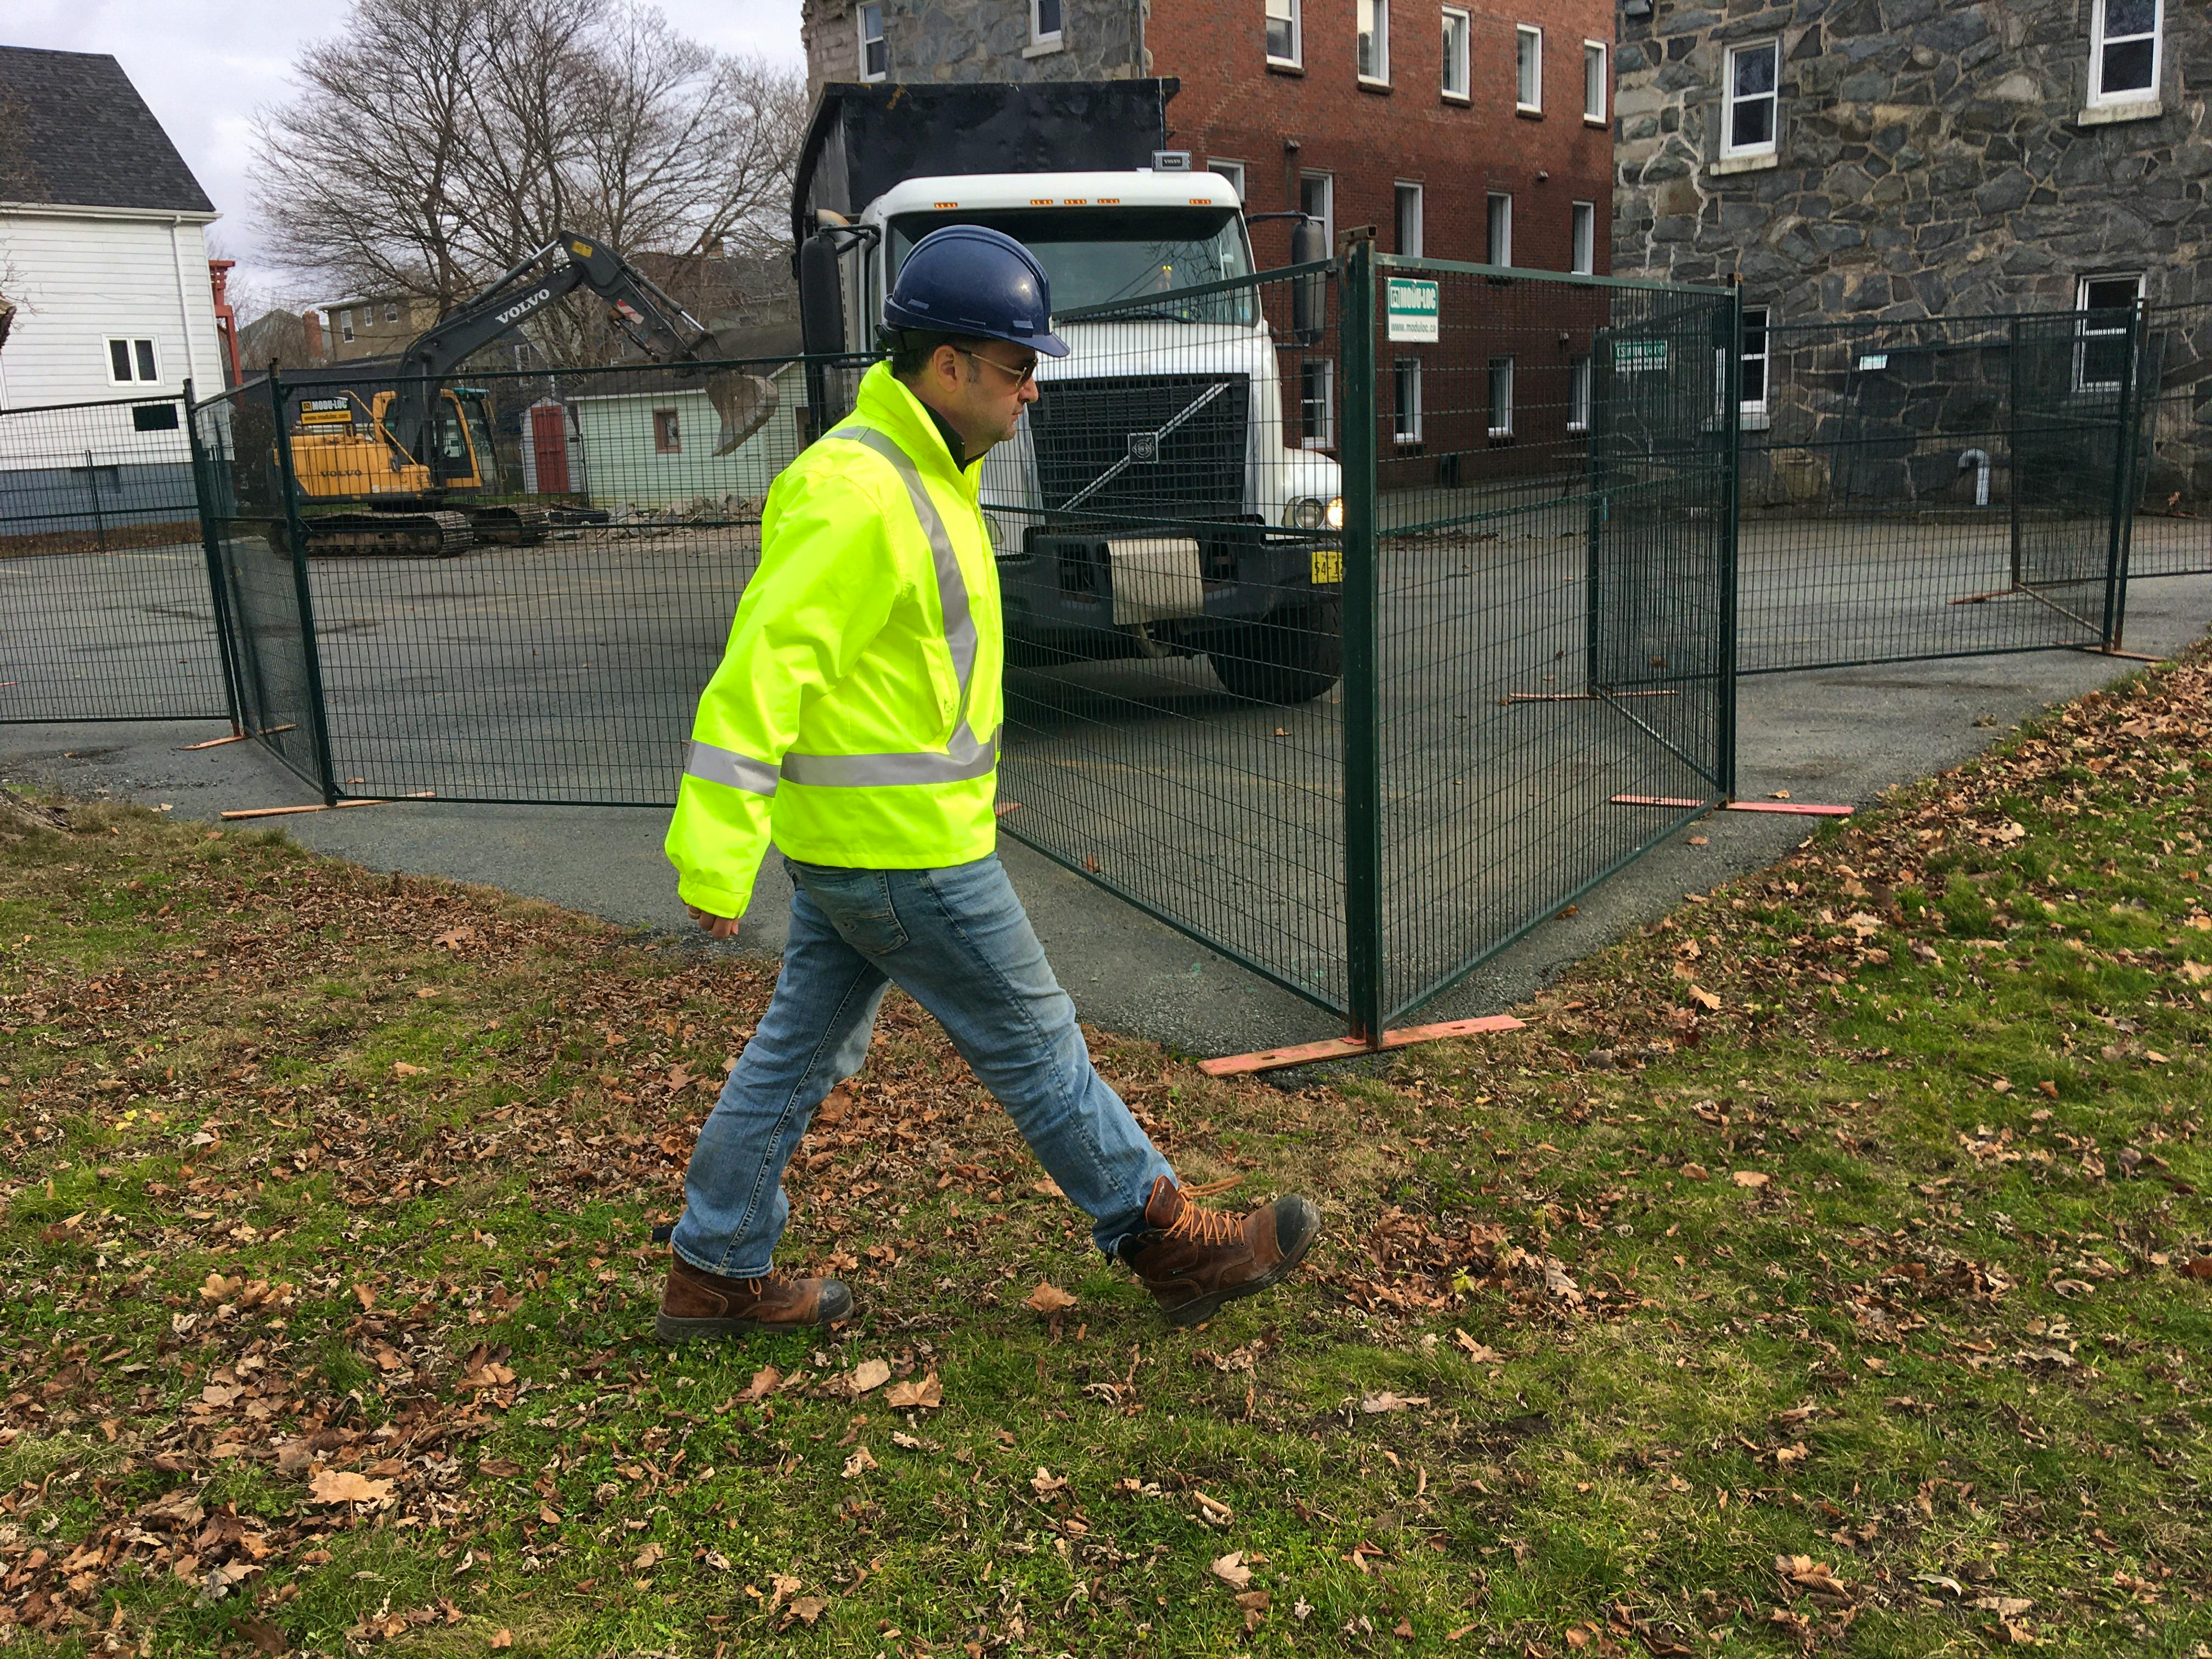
pixel 1461 130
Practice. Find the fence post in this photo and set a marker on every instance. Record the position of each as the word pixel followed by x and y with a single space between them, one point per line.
pixel 2012 441
pixel 1362 726
pixel 217 599
pixel 2124 472
pixel 92 489
pixel 296 533
pixel 1732 499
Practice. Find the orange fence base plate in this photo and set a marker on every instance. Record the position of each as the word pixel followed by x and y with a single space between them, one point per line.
pixel 1307 1054
pixel 1800 808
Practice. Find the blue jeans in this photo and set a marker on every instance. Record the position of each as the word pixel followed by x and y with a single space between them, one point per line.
pixel 957 941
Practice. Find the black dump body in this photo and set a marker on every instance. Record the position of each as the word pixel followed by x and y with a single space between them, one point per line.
pixel 862 138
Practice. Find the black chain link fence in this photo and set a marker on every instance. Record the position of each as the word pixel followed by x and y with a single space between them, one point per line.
pixel 105 613
pixel 1934 488
pixel 2172 531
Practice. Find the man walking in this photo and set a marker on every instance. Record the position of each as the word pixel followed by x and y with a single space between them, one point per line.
pixel 856 719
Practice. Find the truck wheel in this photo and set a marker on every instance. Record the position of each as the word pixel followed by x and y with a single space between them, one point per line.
pixel 1292 656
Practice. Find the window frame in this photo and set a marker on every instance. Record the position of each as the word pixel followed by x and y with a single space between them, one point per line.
pixel 1039 36
pixel 2098 98
pixel 1230 170
pixel 1463 60
pixel 667 432
pixel 1581 393
pixel 1406 411
pixel 881 39
pixel 345 325
pixel 392 311
pixel 1327 216
pixel 1294 17
pixel 1379 53
pixel 1599 116
pixel 1494 407
pixel 1401 191
pixel 1730 150
pixel 1492 223
pixel 1751 409
pixel 140 351
pixel 1582 238
pixel 1317 431
pixel 1525 36
pixel 2085 334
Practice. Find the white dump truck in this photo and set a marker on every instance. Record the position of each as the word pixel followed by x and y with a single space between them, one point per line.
pixel 1170 492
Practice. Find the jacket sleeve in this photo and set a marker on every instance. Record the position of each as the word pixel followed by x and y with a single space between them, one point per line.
pixel 827 583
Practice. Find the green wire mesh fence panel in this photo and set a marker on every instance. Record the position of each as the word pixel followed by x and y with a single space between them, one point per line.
pixel 249 542
pixel 521 599
pixel 1171 571
pixel 1934 488
pixel 1553 606
pixel 2172 531
pixel 105 613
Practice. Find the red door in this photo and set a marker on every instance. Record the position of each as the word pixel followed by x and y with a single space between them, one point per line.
pixel 548 437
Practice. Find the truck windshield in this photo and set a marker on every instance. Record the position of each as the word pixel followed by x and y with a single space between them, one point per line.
pixel 1097 256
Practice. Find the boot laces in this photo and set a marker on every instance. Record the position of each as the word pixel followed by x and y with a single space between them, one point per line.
pixel 1208 1228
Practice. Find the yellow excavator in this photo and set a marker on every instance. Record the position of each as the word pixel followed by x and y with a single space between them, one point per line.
pixel 398 439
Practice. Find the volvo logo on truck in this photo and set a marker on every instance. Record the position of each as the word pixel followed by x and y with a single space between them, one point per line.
pixel 524 307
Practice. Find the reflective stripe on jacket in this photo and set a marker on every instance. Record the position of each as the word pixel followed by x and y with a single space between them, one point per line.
pixel 855 716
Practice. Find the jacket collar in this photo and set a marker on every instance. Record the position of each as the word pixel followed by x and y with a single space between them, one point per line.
pixel 884 403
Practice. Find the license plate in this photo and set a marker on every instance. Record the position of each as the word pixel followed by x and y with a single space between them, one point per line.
pixel 1327 564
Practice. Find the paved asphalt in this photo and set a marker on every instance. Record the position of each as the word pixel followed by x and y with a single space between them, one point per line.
pixel 586 675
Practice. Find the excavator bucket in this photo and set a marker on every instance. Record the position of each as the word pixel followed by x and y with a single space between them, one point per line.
pixel 744 402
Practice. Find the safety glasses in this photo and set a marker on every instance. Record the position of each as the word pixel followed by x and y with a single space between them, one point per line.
pixel 1021 376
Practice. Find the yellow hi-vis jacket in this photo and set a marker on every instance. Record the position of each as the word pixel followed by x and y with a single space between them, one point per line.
pixel 856 715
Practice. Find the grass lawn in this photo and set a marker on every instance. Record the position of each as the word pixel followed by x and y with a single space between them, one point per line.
pixel 1824 1268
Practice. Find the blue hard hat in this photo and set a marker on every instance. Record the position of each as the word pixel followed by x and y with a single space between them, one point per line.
pixel 966 279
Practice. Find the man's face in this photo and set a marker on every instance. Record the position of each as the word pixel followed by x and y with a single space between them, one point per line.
pixel 982 390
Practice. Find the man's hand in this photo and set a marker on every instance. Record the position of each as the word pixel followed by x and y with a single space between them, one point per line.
pixel 716 926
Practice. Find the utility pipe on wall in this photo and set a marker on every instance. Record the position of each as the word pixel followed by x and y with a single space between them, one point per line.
pixel 1979 460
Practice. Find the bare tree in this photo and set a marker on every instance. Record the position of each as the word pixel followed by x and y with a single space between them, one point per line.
pixel 436 143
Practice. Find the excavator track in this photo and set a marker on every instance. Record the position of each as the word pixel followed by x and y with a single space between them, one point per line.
pixel 518 523
pixel 425 535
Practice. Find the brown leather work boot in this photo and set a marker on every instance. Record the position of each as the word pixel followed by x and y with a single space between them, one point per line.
pixel 696 1303
pixel 1193 1260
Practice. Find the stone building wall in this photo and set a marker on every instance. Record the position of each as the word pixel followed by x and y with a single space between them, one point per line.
pixel 1932 158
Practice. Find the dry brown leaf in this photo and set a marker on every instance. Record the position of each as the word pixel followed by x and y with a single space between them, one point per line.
pixel 782 1585
pixel 2196 972
pixel 925 1395
pixel 1693 1172
pixel 1231 1571
pixel 2005 1607
pixel 1044 1482
pixel 503 1638
pixel 808 1609
pixel 763 1385
pixel 869 1374
pixel 1049 1298
pixel 488 1375
pixel 2197 1267
pixel 1751 1178
pixel 648 1558
pixel 858 1463
pixel 1375 1404
pixel 344 1486
pixel 1479 1352
pixel 1703 998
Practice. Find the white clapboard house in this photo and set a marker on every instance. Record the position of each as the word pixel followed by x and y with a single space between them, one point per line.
pixel 103 249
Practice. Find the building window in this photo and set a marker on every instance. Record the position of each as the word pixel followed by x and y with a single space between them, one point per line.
pixel 131 362
pixel 1578 394
pixel 1409 219
pixel 1749 119
pixel 1406 400
pixel 1501 228
pixel 1318 199
pixel 1583 239
pixel 2123 51
pixel 1374 46
pixel 1317 402
pixel 1753 387
pixel 391 311
pixel 1501 396
pixel 667 439
pixel 1528 67
pixel 1457 71
pixel 1234 172
pixel 875 53
pixel 345 325
pixel 1044 22
pixel 2101 360
pixel 1593 82
pixel 1283 32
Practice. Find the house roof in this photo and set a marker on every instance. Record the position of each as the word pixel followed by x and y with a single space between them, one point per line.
pixel 74 132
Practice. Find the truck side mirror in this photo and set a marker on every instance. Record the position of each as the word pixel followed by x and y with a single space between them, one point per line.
pixel 821 297
pixel 1309 294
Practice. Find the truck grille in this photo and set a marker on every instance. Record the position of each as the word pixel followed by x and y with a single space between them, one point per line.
pixel 1081 427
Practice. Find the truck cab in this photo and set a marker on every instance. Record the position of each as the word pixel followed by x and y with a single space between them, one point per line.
pixel 1158 498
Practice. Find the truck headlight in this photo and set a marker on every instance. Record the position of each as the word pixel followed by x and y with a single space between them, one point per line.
pixel 1335 514
pixel 1308 512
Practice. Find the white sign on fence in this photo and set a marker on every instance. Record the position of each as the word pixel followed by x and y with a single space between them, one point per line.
pixel 1413 308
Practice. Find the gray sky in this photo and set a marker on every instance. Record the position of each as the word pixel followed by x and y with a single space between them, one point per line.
pixel 204 69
